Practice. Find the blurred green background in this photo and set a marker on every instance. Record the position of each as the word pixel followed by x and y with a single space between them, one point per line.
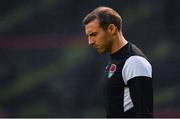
pixel 47 68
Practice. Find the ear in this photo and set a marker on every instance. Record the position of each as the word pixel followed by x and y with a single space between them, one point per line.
pixel 111 29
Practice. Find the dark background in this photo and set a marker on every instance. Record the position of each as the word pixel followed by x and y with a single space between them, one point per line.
pixel 47 68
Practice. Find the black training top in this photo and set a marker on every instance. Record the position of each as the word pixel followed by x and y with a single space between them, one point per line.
pixel 128 82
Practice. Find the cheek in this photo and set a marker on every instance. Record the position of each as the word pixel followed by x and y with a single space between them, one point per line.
pixel 105 40
pixel 102 39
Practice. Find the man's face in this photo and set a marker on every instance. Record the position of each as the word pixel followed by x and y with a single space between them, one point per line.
pixel 98 37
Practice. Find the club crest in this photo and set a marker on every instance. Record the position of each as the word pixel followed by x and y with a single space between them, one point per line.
pixel 112 70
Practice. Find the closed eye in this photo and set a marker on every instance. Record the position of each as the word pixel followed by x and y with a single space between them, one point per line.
pixel 93 34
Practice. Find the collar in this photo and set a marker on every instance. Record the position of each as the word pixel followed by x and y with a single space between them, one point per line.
pixel 120 53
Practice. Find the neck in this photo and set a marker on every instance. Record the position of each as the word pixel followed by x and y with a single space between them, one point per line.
pixel 118 43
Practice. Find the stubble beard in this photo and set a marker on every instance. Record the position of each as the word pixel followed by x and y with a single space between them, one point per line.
pixel 107 48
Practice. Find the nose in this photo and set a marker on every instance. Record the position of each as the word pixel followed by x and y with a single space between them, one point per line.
pixel 91 41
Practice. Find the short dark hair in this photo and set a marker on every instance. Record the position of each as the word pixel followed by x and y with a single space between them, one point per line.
pixel 105 16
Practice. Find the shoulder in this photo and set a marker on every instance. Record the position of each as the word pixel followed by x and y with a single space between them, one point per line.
pixel 136 66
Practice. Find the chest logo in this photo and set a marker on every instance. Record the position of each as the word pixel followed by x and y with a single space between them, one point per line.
pixel 112 70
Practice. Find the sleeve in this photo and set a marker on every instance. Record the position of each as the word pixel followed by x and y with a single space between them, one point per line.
pixel 141 93
pixel 137 75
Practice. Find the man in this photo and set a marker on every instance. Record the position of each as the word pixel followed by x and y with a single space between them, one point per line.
pixel 128 77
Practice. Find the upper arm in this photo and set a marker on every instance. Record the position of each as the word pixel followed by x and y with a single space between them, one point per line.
pixel 137 74
pixel 136 66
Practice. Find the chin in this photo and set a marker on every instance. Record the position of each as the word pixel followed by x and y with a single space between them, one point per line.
pixel 101 52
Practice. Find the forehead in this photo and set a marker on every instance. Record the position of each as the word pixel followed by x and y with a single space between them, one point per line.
pixel 92 26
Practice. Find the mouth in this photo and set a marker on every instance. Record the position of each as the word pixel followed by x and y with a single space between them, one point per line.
pixel 96 46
